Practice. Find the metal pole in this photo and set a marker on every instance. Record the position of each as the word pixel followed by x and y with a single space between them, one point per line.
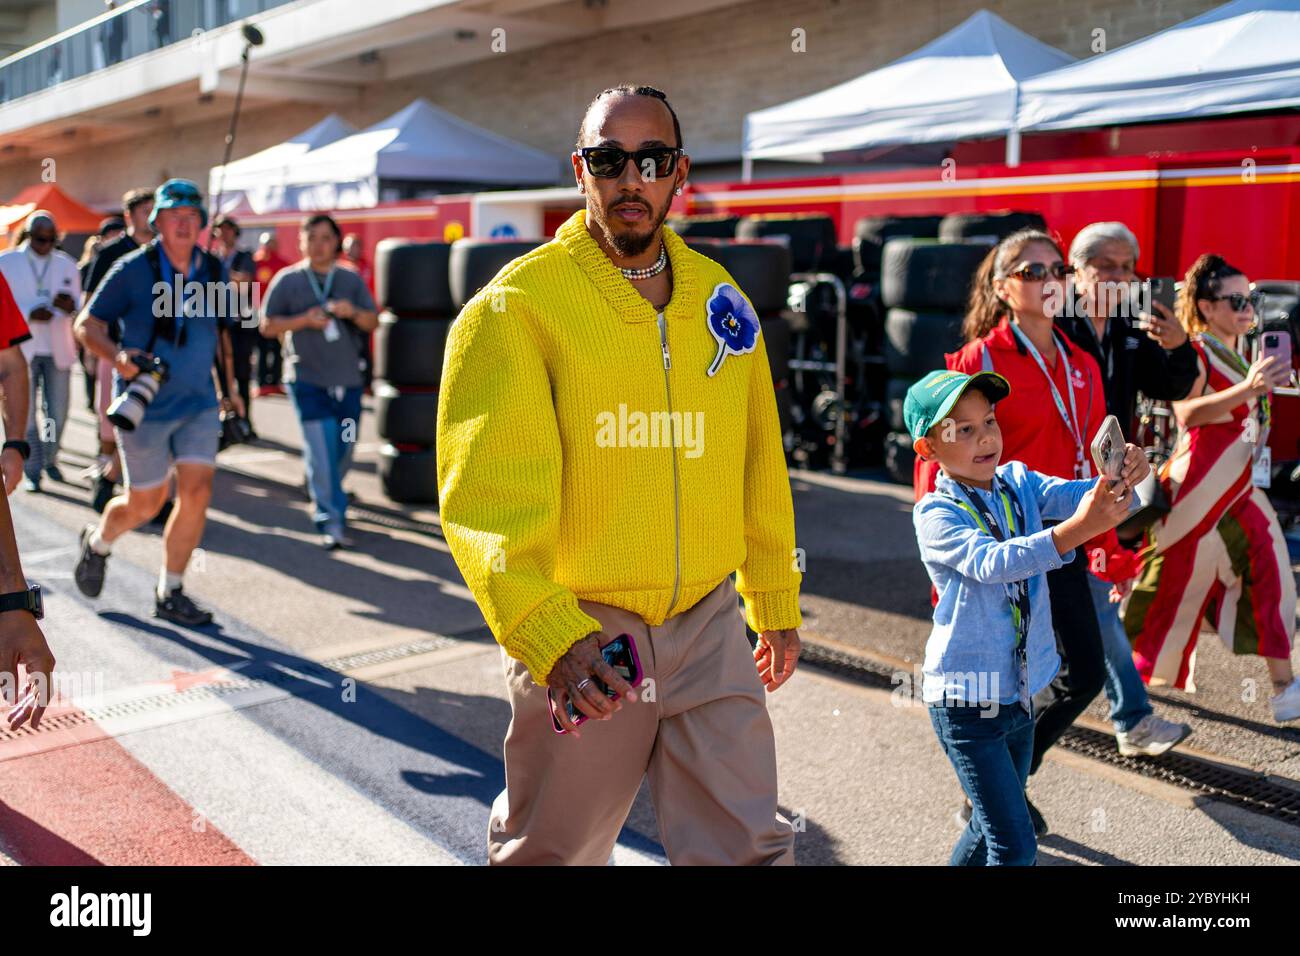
pixel 230 141
pixel 1013 134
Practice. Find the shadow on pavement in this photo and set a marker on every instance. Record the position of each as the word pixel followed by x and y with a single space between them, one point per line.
pixel 403 600
pixel 471 773
pixel 1087 854
pixel 30 844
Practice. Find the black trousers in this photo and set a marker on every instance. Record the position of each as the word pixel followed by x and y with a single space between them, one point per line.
pixel 1078 638
pixel 268 361
pixel 243 343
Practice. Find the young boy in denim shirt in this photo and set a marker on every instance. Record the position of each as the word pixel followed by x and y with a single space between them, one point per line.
pixel 984 546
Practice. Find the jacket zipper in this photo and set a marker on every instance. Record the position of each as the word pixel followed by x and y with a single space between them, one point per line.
pixel 677 514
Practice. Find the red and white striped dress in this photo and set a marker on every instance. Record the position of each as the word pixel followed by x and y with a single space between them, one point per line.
pixel 1218 555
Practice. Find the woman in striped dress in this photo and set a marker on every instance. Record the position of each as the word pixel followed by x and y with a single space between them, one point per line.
pixel 1219 554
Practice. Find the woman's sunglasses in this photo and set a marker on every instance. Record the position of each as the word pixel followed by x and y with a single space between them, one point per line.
pixel 607 162
pixel 1238 301
pixel 1037 272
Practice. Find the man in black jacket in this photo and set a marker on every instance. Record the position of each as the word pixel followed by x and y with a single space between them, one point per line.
pixel 137 207
pixel 1161 363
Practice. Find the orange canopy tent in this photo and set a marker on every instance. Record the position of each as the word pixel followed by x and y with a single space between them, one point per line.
pixel 71 216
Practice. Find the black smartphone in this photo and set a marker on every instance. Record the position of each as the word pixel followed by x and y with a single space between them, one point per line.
pixel 1159 290
pixel 620 654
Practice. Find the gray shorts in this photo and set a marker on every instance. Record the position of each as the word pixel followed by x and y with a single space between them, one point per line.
pixel 149 451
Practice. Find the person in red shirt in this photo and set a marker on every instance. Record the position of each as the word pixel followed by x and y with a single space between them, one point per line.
pixel 1057 404
pixel 21 640
pixel 13 388
pixel 268 263
pixel 353 259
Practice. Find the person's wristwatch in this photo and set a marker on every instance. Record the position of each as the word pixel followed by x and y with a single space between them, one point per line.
pixel 18 445
pixel 29 600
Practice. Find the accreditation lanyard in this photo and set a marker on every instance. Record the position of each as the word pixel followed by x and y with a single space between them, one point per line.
pixel 42 290
pixel 1071 418
pixel 1017 591
pixel 190 304
pixel 1263 406
pixel 322 292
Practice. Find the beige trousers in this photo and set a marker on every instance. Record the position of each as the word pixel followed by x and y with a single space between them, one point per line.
pixel 699 729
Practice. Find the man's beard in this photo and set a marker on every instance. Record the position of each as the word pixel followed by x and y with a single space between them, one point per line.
pixel 628 243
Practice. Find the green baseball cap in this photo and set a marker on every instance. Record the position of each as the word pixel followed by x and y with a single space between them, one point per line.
pixel 932 398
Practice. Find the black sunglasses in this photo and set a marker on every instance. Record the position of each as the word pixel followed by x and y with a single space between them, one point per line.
pixel 1037 272
pixel 41 240
pixel 607 162
pixel 1237 301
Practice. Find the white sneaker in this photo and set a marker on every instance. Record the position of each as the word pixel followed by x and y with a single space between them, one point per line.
pixel 335 540
pixel 1286 705
pixel 1151 737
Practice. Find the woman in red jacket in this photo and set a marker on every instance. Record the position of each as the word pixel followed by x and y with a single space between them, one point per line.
pixel 1056 405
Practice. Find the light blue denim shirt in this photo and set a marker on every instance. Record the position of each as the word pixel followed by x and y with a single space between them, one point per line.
pixel 970 655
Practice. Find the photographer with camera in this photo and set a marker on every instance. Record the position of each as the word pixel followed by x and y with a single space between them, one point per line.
pixel 13 388
pixel 325 313
pixel 165 409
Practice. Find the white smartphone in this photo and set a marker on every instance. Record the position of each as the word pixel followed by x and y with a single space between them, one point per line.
pixel 1108 449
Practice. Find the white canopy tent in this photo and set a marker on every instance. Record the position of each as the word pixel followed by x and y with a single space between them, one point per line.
pixel 963 85
pixel 256 183
pixel 1243 56
pixel 418 143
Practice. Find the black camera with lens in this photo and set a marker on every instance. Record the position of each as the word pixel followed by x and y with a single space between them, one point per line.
pixel 235 430
pixel 128 408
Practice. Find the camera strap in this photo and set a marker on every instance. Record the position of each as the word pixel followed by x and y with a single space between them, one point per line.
pixel 174 330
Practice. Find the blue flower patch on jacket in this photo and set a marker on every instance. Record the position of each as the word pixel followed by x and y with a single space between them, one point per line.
pixel 732 321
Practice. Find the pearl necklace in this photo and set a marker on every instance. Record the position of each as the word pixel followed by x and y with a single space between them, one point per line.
pixel 649 271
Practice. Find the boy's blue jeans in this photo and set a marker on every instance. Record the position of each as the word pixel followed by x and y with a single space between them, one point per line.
pixel 991 751
pixel 1129 703
pixel 331 424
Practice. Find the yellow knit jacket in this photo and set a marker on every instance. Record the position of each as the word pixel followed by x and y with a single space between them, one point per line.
pixel 550 492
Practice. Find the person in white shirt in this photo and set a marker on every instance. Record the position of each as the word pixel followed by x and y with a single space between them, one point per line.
pixel 47 287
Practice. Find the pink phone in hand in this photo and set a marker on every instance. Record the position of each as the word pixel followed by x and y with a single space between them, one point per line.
pixel 1278 345
pixel 620 654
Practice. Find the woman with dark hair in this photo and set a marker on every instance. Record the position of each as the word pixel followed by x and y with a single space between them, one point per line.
pixel 1219 553
pixel 323 312
pixel 1056 405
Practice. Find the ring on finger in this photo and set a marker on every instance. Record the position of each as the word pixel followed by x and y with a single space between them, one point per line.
pixel 584 682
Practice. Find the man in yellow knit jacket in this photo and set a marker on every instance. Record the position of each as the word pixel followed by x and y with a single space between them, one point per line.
pixel 608 455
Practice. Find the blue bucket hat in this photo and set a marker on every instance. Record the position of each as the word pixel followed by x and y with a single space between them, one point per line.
pixel 178 192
